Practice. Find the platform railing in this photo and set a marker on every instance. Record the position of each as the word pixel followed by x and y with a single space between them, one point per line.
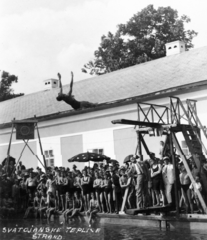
pixel 151 114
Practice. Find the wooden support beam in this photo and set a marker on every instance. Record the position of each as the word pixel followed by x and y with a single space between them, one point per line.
pixel 26 143
pixel 174 172
pixel 44 160
pixel 139 145
pixel 9 147
pixel 24 121
pixel 139 123
pixel 145 145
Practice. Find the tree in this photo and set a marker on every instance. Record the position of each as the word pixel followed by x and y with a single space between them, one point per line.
pixel 6 92
pixel 141 39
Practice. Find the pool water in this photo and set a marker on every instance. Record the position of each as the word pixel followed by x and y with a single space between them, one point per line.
pixel 42 229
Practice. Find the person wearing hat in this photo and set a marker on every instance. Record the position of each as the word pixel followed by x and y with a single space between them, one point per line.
pixel 138 169
pixel 110 170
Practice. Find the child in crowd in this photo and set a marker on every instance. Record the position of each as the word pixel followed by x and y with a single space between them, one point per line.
pixel 198 187
pixel 107 186
pixel 93 208
pixel 30 206
pixel 36 204
pixel 52 207
pixel 78 205
pixel 98 190
pixel 43 204
pixel 69 206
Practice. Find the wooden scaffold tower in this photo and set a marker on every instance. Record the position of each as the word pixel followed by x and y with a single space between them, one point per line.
pixel 179 117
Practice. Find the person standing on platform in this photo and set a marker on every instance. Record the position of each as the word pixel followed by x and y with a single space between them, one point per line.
pixel 157 181
pixel 168 179
pixel 137 169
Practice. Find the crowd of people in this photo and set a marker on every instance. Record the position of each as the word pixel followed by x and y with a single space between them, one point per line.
pixel 74 193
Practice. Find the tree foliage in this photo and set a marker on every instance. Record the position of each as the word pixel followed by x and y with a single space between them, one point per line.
pixel 141 39
pixel 6 92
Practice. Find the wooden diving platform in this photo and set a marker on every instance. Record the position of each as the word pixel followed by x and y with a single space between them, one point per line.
pixel 150 210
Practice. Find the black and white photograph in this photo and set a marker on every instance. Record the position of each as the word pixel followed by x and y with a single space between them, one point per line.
pixel 103 119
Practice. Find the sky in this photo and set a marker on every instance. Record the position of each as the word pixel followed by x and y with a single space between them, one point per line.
pixel 38 39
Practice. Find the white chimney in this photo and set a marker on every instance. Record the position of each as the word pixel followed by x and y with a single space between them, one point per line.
pixel 174 47
pixel 51 83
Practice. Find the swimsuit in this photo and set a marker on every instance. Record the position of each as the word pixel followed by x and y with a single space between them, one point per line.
pixel 71 101
pixel 157 182
pixel 108 188
pixel 85 187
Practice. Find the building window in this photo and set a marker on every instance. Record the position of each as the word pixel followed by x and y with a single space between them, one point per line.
pixel 96 150
pixel 49 158
pixel 185 148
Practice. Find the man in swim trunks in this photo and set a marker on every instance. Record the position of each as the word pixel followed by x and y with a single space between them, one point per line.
pixel 69 98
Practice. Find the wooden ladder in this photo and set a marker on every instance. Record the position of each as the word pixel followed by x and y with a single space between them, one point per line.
pixel 193 144
pixel 193 112
pixel 193 121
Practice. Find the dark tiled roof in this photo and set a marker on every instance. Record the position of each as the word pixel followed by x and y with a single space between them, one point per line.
pixel 165 73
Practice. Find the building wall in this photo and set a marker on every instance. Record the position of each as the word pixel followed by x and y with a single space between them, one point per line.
pixel 51 143
pixel 71 146
pixel 125 142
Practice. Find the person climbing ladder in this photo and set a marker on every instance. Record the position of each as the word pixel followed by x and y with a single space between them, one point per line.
pixel 69 98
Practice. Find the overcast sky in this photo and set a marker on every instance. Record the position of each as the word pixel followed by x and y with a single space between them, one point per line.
pixel 40 38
